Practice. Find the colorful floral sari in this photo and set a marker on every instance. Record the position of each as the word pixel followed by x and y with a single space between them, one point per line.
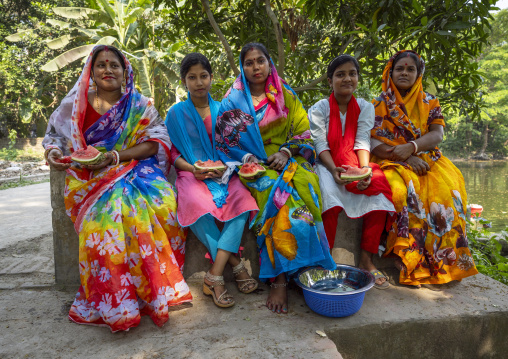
pixel 429 231
pixel 131 249
pixel 288 227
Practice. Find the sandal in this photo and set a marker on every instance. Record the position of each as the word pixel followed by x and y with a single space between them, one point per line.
pixel 377 274
pixel 244 284
pixel 224 300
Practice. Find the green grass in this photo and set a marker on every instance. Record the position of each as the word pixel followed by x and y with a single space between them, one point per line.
pixel 21 183
pixel 20 155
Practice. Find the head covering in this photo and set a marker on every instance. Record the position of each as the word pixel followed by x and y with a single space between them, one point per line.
pixel 237 116
pixel 400 120
pixel 188 134
pixel 131 121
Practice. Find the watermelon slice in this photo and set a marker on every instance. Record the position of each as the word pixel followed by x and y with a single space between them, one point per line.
pixel 210 165
pixel 65 159
pixel 251 170
pixel 355 174
pixel 88 156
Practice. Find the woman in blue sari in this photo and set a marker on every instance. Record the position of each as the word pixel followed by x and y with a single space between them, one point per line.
pixel 262 120
pixel 206 197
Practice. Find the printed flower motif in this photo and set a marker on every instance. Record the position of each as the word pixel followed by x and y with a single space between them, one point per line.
pixel 261 183
pixel 447 255
pixel 127 310
pixel 93 240
pixel 176 243
pixel 162 268
pixel 394 113
pixel 85 310
pixel 126 279
pixel 378 121
pixel 142 203
pixel 285 243
pixel 403 223
pixel 465 262
pixel 457 202
pixel 169 293
pixel 145 250
pixel 171 221
pixel 102 247
pixel 385 134
pixel 83 268
pixel 105 304
pixel 462 239
pixel 181 289
pixel 159 245
pixel 280 198
pixel 440 219
pixel 104 274
pixel 133 259
pixel 414 205
pixel 157 201
pixel 95 268
pixel 146 170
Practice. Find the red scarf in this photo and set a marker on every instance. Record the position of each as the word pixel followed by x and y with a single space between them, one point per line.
pixel 342 148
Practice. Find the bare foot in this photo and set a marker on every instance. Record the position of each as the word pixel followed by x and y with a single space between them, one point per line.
pixel 277 300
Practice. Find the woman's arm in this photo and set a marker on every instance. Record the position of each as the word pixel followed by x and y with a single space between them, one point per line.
pixel 427 142
pixel 138 152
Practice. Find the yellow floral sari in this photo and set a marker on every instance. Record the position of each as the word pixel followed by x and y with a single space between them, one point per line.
pixel 429 231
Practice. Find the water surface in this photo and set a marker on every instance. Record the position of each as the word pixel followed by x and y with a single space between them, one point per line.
pixel 487 185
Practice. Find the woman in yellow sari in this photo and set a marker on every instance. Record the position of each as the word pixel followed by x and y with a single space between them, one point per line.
pixel 428 236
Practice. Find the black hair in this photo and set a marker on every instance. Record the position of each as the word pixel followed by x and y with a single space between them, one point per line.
pixel 341 60
pixel 253 45
pixel 101 48
pixel 192 59
pixel 412 55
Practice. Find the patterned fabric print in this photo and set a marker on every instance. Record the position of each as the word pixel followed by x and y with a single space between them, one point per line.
pixel 131 247
pixel 290 230
pixel 429 231
pixel 229 129
pixel 131 251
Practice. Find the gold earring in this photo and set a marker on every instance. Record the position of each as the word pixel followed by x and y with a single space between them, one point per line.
pixel 94 85
pixel 270 72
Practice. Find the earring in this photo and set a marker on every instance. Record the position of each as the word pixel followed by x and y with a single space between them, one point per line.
pixel 94 85
pixel 124 85
pixel 270 72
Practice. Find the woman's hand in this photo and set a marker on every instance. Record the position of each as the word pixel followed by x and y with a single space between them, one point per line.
pixel 52 158
pixel 336 176
pixel 364 183
pixel 109 158
pixel 277 161
pixel 201 175
pixel 419 166
pixel 401 152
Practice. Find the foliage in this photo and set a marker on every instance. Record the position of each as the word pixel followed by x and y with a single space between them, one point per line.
pixel 488 132
pixel 486 250
pixel 28 94
pixel 16 155
pixel 21 183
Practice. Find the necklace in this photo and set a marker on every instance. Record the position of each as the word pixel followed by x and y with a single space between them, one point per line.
pixel 97 101
pixel 202 106
pixel 257 97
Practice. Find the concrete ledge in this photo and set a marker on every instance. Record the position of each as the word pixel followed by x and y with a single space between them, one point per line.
pixel 459 320
pixel 31 178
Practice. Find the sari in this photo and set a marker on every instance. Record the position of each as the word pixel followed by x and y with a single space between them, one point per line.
pixel 288 226
pixel 199 202
pixel 131 249
pixel 428 233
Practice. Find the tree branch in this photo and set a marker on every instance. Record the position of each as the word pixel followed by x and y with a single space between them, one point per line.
pixel 323 77
pixel 225 43
pixel 278 35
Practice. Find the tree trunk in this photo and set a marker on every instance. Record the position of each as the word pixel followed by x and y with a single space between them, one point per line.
pixel 481 152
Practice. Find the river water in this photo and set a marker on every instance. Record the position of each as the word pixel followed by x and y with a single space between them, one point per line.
pixel 487 185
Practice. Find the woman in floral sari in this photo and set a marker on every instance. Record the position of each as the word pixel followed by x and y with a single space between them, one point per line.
pixel 428 236
pixel 262 120
pixel 131 248
pixel 205 197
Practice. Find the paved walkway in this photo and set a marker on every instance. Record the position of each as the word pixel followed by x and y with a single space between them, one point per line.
pixel 25 213
pixel 465 320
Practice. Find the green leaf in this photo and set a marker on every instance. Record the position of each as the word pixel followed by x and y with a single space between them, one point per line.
pixel 25 111
pixel 144 77
pixel 67 57
pixel 60 42
pixel 458 25
pixel 445 33
pixel 424 20
pixel 74 12
pixel 60 24
pixel 18 36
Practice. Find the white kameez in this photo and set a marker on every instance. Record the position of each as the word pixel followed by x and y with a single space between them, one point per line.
pixel 334 195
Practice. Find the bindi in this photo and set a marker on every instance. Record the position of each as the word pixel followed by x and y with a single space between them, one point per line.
pixel 108 61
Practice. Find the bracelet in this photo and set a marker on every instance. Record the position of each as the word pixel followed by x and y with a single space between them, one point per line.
pixel 415 146
pixel 286 151
pixel 48 151
pixel 116 157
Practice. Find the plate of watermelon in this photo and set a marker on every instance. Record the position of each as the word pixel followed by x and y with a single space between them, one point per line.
pixel 355 174
pixel 251 170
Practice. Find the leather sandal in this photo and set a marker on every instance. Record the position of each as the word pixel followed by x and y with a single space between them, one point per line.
pixel 244 284
pixel 225 300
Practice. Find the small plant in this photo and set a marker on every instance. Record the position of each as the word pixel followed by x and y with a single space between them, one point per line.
pixel 486 249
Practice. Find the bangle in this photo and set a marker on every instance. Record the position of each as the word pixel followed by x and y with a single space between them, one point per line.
pixel 415 146
pixel 48 151
pixel 116 157
pixel 286 151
